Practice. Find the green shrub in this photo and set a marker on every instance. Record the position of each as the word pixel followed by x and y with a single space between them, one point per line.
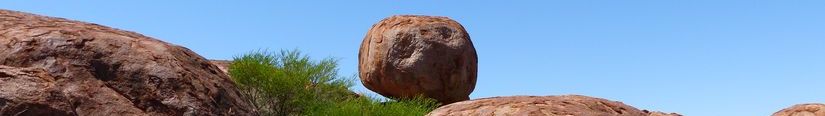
pixel 368 106
pixel 289 83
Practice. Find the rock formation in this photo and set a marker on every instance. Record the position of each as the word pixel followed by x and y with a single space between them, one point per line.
pixel 811 109
pixel 567 105
pixel 405 56
pixel 97 70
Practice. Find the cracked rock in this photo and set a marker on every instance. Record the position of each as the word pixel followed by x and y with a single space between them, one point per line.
pixel 31 91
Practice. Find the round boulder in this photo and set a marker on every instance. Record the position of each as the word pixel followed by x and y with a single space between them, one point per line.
pixel 408 55
pixel 811 109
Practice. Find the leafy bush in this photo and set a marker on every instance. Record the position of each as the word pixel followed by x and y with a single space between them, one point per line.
pixel 289 83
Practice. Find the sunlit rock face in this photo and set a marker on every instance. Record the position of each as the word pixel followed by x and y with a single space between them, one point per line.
pixel 97 71
pixel 810 109
pixel 565 105
pixel 408 55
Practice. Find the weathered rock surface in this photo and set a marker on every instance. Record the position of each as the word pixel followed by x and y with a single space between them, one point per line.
pixel 97 70
pixel 811 109
pixel 405 56
pixel 31 91
pixel 566 105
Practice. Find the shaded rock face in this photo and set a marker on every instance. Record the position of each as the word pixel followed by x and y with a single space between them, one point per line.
pixel 811 109
pixel 567 105
pixel 97 70
pixel 404 56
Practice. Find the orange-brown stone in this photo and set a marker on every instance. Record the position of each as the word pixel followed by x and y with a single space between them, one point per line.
pixel 407 55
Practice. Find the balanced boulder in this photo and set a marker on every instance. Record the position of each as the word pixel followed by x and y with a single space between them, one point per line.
pixel 406 56
pixel 811 109
pixel 97 70
pixel 567 105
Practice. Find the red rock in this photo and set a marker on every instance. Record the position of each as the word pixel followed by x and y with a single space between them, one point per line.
pixel 810 109
pixel 566 105
pixel 32 91
pixel 99 70
pixel 405 56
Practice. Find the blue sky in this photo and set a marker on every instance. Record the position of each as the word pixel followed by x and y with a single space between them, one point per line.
pixel 698 57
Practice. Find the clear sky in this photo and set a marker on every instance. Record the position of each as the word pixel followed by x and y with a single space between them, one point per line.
pixel 697 57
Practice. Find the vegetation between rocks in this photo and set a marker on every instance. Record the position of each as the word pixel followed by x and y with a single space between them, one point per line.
pixel 289 83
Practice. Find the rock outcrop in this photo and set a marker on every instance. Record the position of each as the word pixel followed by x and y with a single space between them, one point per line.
pixel 97 70
pixel 811 109
pixel 567 105
pixel 405 56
